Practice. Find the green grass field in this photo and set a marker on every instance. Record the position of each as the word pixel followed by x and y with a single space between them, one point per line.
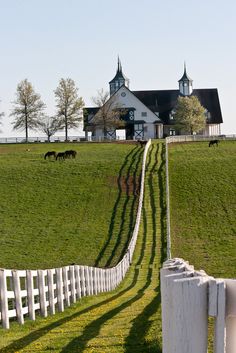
pixel 203 205
pixel 128 320
pixel 123 321
pixel 75 211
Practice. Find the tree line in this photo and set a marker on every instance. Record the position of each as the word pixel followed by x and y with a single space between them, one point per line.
pixel 28 109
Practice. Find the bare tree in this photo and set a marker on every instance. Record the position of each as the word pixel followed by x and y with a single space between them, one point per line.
pixel 1 116
pixel 189 114
pixel 48 125
pixel 69 105
pixel 110 112
pixel 28 108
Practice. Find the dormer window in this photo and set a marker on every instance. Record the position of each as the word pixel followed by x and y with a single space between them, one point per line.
pixel 207 115
pixel 171 115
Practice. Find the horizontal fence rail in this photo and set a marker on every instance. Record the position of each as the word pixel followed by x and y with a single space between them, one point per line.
pixel 28 291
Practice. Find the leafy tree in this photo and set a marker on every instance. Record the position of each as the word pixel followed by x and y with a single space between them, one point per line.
pixel 28 108
pixel 48 125
pixel 69 105
pixel 109 114
pixel 189 114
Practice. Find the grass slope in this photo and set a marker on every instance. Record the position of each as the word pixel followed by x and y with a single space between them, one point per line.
pixel 126 320
pixel 71 211
pixel 203 205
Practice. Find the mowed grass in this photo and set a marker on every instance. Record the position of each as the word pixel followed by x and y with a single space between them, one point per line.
pixel 54 213
pixel 203 205
pixel 127 320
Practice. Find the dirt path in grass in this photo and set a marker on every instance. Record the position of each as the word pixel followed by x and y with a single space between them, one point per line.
pixel 126 320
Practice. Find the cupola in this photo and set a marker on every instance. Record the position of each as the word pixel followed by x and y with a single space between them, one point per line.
pixel 185 84
pixel 119 80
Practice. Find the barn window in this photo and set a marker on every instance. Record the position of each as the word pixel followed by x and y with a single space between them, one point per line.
pixel 138 127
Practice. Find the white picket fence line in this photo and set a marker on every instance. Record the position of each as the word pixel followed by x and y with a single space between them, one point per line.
pixel 199 138
pixel 189 297
pixel 23 292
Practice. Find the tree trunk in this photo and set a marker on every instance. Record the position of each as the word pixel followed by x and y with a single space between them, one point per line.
pixel 26 128
pixel 66 129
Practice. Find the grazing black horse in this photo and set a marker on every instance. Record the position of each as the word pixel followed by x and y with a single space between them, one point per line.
pixel 142 142
pixel 60 156
pixel 213 142
pixel 70 154
pixel 50 154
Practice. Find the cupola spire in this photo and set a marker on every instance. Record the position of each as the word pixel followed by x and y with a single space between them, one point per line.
pixel 119 79
pixel 185 83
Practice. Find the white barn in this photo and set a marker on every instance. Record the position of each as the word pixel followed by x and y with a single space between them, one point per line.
pixel 149 114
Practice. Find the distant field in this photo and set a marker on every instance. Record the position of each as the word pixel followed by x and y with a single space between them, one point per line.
pixel 57 213
pixel 203 205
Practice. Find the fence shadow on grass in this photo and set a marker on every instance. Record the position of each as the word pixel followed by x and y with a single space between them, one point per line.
pixel 37 334
pixel 141 322
pixel 128 164
pixel 132 193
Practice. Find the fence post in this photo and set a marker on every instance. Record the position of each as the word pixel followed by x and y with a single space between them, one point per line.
pixel 42 293
pixel 77 281
pixel 231 316
pixel 217 310
pixel 190 315
pixel 65 285
pixel 83 281
pixel 51 291
pixel 168 203
pixel 87 281
pixel 60 295
pixel 17 293
pixel 95 283
pixel 72 283
pixel 4 299
pixel 168 275
pixel 91 280
pixel 102 276
pixel 30 294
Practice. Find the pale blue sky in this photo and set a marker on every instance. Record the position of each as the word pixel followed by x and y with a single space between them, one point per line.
pixel 46 40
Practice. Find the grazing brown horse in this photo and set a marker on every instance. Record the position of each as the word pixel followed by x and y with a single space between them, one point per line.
pixel 70 154
pixel 50 154
pixel 60 156
pixel 213 142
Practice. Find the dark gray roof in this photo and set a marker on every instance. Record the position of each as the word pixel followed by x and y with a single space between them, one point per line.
pixel 164 101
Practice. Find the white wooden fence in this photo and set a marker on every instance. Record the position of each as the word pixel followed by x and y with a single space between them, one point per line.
pixel 190 297
pixel 25 292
